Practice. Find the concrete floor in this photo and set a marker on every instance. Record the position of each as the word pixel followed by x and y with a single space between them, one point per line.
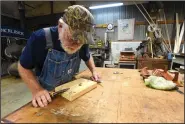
pixel 14 94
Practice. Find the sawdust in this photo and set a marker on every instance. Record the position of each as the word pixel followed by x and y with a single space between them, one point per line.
pixel 58 111
pixel 39 113
pixel 63 111
pixel 75 112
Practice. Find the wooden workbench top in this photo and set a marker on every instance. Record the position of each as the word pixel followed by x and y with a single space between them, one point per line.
pixel 121 98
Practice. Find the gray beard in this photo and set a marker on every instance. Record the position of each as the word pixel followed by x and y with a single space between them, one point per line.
pixel 69 51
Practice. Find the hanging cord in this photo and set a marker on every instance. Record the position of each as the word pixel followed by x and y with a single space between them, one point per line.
pixel 147 13
pixel 143 14
pixel 150 23
pixel 167 33
pixel 169 48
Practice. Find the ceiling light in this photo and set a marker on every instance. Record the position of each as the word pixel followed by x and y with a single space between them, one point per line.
pixel 106 6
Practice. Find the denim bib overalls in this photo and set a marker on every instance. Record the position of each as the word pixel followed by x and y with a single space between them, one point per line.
pixel 59 67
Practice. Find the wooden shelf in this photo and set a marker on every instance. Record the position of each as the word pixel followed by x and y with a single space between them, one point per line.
pixel 142 23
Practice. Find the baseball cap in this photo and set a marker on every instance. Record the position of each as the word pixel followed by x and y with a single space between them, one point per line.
pixel 80 22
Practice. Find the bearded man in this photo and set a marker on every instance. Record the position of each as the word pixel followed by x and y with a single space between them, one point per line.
pixel 55 54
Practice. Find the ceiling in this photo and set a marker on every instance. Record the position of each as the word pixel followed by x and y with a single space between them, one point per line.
pixel 39 8
pixel 32 8
pixel 9 8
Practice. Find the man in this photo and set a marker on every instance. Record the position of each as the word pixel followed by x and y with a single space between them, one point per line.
pixel 55 53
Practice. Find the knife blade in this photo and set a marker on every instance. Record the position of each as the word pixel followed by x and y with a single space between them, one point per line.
pixel 53 93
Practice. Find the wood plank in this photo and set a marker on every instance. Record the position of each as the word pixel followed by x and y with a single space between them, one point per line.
pixel 180 37
pixel 169 22
pixel 142 23
pixel 177 34
pixel 123 98
pixel 77 87
pixel 173 42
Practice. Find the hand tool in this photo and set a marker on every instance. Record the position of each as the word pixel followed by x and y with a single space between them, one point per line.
pixel 53 93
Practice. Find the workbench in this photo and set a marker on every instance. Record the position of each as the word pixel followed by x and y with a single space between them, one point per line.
pixel 121 97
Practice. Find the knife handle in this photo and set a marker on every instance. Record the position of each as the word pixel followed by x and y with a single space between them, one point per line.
pixel 52 94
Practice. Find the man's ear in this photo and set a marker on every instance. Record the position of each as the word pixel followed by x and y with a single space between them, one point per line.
pixel 60 23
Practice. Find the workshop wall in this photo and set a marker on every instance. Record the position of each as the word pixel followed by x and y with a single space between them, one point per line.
pixel 111 15
pixel 11 22
pixel 39 8
pixel 8 10
pixel 60 6
pixel 34 23
pixel 42 16
pixel 42 8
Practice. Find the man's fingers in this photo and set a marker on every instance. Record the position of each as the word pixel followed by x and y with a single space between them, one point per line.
pixel 41 98
pixel 39 102
pixel 95 78
pixel 48 96
pixel 34 103
pixel 98 77
pixel 92 78
pixel 44 100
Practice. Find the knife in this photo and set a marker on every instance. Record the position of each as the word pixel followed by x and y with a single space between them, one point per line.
pixel 53 93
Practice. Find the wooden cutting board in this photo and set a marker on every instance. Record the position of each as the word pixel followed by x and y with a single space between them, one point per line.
pixel 77 87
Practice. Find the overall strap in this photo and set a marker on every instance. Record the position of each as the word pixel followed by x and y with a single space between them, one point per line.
pixel 49 43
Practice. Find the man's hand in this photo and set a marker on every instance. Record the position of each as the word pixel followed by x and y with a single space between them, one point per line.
pixel 95 76
pixel 41 98
pixel 90 64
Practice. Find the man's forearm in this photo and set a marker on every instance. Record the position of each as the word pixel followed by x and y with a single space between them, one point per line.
pixel 29 78
pixel 90 64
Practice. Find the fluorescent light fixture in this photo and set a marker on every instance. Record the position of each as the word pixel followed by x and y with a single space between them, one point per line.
pixel 106 6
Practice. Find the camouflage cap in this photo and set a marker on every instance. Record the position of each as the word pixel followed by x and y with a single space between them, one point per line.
pixel 80 22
